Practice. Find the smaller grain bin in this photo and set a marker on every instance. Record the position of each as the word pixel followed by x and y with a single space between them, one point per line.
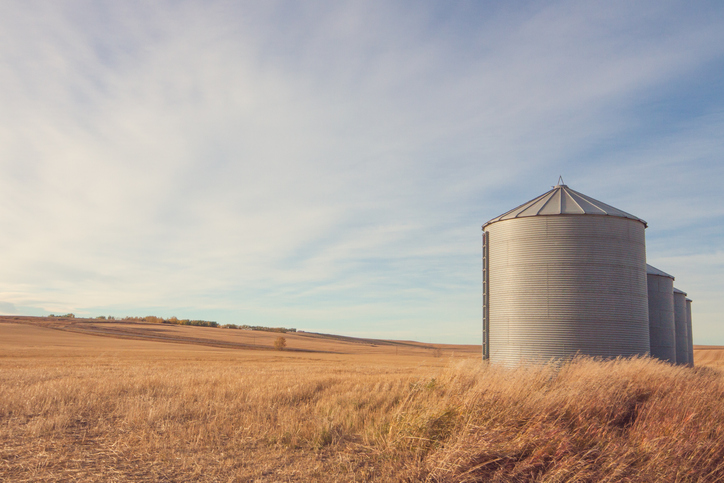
pixel 689 332
pixel 662 328
pixel 681 327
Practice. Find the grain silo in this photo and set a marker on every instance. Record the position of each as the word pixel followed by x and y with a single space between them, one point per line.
pixel 689 332
pixel 662 328
pixel 682 332
pixel 564 274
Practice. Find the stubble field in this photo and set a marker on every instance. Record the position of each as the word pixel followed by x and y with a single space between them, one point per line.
pixel 86 401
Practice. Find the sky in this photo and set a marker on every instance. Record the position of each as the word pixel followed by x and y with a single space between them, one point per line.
pixel 328 165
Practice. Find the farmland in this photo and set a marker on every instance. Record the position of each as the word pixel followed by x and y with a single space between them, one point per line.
pixel 84 400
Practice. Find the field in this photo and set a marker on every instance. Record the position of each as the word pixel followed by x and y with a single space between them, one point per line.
pixel 114 401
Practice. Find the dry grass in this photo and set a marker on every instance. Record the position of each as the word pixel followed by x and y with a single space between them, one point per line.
pixel 164 412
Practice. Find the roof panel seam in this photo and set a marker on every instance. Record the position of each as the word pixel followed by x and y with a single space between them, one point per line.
pixel 576 202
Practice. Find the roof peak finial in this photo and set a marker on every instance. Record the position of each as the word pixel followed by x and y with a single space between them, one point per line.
pixel 560 182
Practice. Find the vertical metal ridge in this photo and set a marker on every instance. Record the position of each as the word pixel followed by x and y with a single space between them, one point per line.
pixel 689 333
pixel 486 299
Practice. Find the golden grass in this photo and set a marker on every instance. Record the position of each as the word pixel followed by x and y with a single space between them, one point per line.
pixel 152 411
pixel 709 355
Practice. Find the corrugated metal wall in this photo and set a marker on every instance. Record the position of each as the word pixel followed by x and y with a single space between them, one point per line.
pixel 662 327
pixel 567 284
pixel 682 333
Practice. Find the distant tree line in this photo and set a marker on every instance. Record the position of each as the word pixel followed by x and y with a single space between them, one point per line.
pixel 160 320
pixel 283 330
pixel 200 323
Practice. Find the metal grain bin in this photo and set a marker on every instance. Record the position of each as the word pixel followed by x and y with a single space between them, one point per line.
pixel 662 328
pixel 564 274
pixel 689 332
pixel 682 333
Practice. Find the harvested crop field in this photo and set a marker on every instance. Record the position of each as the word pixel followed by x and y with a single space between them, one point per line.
pixel 709 355
pixel 131 403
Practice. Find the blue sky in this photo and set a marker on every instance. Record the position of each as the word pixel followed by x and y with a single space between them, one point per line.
pixel 328 165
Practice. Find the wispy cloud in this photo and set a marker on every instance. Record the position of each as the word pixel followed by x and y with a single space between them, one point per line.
pixel 328 165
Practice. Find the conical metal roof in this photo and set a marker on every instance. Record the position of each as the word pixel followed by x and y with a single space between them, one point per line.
pixel 676 290
pixel 562 200
pixel 655 271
